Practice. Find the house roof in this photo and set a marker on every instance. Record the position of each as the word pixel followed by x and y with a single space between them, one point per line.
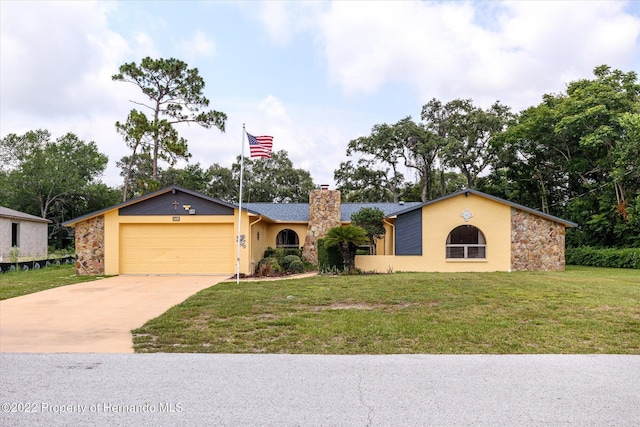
pixel 285 212
pixel 389 209
pixel 495 199
pixel 149 196
pixel 299 212
pixel 11 213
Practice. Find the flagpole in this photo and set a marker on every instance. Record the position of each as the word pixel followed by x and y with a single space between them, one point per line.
pixel 240 207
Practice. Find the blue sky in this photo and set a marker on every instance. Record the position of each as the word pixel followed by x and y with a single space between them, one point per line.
pixel 315 75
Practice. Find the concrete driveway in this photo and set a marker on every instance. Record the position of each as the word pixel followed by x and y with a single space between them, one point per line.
pixel 93 317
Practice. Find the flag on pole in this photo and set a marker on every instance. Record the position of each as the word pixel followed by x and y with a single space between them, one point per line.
pixel 260 146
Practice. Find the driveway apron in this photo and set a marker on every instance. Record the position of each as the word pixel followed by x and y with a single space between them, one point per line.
pixel 92 317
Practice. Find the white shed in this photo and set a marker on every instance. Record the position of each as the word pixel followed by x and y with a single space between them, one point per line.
pixel 27 232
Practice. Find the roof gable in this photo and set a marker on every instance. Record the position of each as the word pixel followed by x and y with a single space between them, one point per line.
pixel 469 191
pixel 146 202
pixel 177 202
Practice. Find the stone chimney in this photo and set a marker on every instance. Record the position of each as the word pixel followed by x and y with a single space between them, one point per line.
pixel 324 214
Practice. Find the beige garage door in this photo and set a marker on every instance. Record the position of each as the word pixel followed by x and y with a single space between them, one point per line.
pixel 177 249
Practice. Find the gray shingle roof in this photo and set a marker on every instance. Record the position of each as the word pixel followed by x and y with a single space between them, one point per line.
pixel 281 211
pixel 11 213
pixel 300 211
pixel 389 209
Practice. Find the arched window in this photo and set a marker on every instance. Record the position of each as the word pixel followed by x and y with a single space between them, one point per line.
pixel 466 241
pixel 287 239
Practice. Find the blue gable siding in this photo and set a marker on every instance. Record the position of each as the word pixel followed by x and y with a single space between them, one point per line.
pixel 409 233
pixel 173 204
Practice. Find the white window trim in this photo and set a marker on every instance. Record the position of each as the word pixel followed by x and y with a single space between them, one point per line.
pixel 466 251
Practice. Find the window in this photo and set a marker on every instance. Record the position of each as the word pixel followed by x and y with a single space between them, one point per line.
pixel 15 234
pixel 466 242
pixel 287 239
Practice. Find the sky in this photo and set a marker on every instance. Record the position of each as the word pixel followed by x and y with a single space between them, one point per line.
pixel 314 75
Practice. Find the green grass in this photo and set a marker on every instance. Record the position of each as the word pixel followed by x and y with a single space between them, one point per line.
pixel 582 310
pixel 18 283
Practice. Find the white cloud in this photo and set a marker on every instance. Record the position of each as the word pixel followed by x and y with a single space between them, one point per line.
pixel 145 46
pixel 57 59
pixel 283 20
pixel 55 66
pixel 275 110
pixel 199 45
pixel 450 50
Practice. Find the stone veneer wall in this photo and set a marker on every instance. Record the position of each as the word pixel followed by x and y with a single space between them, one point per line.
pixel 324 214
pixel 90 247
pixel 536 243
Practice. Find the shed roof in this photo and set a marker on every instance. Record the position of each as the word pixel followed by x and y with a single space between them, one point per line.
pixel 11 213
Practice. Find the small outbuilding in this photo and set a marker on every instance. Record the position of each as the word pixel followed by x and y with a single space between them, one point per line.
pixel 28 233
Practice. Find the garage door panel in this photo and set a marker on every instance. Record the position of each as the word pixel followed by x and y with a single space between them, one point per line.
pixel 177 248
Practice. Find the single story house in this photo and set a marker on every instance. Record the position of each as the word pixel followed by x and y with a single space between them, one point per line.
pixel 178 231
pixel 28 233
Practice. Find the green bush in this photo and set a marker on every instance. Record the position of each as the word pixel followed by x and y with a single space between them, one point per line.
pixel 287 260
pixel 603 257
pixel 268 266
pixel 293 251
pixel 269 252
pixel 329 258
pixel 296 266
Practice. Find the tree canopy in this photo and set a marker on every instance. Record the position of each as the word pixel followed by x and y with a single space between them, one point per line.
pixel 577 155
pixel 51 179
pixel 371 220
pixel 174 95
pixel 273 180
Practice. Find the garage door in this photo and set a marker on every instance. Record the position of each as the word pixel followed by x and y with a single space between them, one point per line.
pixel 177 249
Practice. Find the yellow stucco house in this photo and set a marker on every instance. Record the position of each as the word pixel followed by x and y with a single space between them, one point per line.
pixel 178 231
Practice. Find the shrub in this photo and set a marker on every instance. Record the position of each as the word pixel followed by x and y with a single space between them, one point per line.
pixel 296 266
pixel 14 254
pixel 287 260
pixel 329 258
pixel 268 266
pixel 603 257
pixel 269 252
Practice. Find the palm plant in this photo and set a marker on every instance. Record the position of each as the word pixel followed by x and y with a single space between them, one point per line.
pixel 347 238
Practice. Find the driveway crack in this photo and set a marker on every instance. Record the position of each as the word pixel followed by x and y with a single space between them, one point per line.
pixel 363 403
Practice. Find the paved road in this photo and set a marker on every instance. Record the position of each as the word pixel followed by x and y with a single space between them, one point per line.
pixel 309 390
pixel 92 317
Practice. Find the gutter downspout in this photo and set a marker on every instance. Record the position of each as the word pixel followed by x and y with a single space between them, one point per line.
pixel 393 229
pixel 250 239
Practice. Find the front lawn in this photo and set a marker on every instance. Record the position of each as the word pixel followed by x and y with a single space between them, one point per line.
pixel 18 283
pixel 582 310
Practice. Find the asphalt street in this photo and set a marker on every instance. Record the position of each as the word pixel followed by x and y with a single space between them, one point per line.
pixel 310 390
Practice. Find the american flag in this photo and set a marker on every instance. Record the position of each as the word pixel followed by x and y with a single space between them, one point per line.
pixel 260 146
